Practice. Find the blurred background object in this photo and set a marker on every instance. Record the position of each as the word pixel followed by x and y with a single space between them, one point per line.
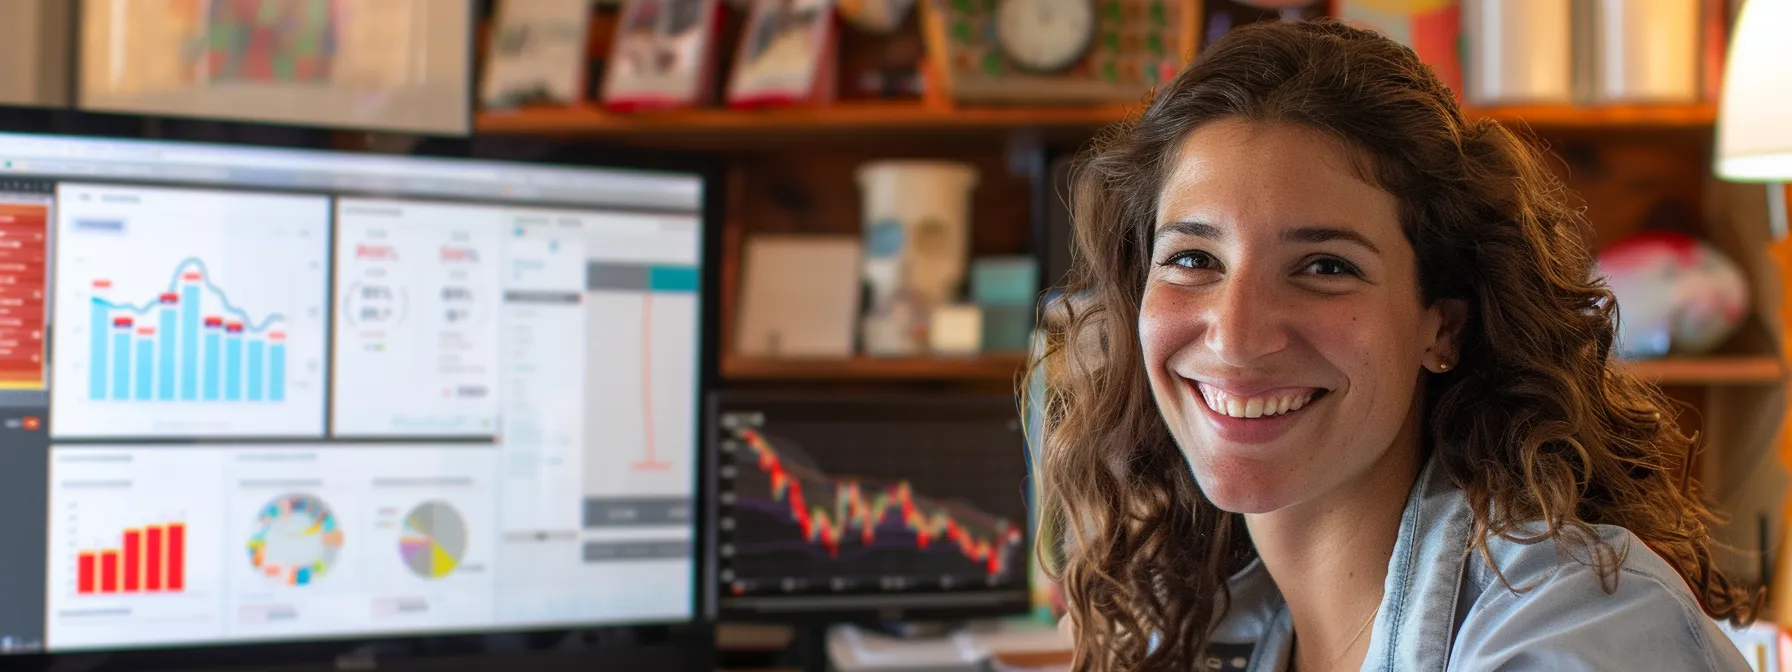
pixel 917 245
pixel 536 54
pixel 1518 51
pixel 395 65
pixel 1754 140
pixel 35 59
pixel 1677 294
pixel 1433 28
pixel 799 296
pixel 875 16
pixel 1645 51
pixel 785 55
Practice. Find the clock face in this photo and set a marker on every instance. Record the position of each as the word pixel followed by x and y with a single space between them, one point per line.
pixel 1045 36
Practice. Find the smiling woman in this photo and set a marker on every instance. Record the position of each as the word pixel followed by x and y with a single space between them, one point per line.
pixel 1336 392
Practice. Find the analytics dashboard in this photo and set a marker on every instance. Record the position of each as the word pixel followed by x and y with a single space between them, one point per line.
pixel 252 394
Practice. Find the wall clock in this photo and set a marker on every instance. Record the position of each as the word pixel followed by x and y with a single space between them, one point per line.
pixel 1046 52
pixel 1045 36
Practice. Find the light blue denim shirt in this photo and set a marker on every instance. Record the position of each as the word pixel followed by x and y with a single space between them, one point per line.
pixel 1444 609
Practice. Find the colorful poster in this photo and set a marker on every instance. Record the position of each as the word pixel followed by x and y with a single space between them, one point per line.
pixel 270 40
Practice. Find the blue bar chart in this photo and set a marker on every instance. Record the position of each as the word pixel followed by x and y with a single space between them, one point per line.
pixel 143 363
pixel 189 313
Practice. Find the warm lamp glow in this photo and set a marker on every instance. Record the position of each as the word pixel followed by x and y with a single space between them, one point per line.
pixel 1754 121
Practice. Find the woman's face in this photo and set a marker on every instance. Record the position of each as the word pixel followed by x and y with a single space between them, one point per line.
pixel 1281 324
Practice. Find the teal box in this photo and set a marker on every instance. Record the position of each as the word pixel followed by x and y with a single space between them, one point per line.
pixel 1006 289
pixel 1004 281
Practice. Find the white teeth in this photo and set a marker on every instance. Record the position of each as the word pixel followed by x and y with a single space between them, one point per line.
pixel 1254 407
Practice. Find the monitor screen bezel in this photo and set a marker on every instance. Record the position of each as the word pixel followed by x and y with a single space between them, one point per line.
pixel 649 645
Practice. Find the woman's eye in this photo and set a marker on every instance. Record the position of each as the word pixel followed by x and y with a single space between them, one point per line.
pixel 1331 266
pixel 1192 260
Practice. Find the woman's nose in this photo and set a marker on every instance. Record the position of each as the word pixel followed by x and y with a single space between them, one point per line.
pixel 1246 322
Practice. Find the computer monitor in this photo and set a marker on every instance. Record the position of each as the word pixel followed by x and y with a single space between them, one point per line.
pixel 252 395
pixel 843 507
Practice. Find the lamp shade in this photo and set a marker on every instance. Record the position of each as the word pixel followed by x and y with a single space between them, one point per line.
pixel 1754 120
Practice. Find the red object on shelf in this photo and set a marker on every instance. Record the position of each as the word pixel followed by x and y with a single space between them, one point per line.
pixel 153 565
pixel 87 571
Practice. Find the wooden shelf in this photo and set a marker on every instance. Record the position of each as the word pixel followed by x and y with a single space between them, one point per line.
pixel 781 124
pixel 993 367
pixel 1721 370
pixel 1560 117
pixel 711 125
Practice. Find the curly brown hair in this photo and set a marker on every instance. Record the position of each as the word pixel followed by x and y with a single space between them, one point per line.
pixel 1536 423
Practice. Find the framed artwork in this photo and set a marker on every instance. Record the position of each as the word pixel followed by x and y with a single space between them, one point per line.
pixel 786 54
pixel 536 54
pixel 662 55
pixel 385 65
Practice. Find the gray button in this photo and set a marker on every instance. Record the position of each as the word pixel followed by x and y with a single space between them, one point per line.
pixel 622 551
pixel 640 511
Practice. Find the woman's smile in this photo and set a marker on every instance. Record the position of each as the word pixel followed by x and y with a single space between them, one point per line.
pixel 1237 414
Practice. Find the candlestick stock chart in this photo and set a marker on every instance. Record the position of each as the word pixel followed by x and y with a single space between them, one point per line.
pixel 838 507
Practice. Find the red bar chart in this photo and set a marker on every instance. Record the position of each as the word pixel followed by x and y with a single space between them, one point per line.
pixel 149 559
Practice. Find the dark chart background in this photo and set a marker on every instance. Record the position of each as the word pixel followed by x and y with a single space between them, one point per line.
pixel 969 466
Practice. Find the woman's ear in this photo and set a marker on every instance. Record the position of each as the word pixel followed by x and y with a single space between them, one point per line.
pixel 1446 319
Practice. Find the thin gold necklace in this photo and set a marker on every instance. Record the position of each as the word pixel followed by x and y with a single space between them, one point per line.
pixel 1353 639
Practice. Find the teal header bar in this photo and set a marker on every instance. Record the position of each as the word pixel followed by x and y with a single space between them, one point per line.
pixel 672 279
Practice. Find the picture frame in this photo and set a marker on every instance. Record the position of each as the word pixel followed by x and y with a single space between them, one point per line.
pixel 377 65
pixel 663 54
pixel 536 54
pixel 786 54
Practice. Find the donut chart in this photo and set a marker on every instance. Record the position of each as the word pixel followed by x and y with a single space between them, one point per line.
pixel 296 540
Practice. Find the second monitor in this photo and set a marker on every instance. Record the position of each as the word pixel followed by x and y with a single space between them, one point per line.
pixel 870 507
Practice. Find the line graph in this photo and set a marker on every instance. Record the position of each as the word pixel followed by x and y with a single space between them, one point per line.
pixel 193 311
pixel 188 312
pixel 864 509
pixel 203 279
pixel 830 495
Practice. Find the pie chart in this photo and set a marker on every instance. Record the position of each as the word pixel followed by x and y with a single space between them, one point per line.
pixel 434 540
